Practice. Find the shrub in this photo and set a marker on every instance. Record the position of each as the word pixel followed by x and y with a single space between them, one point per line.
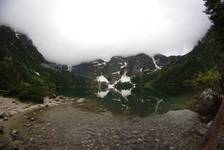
pixel 207 79
pixel 34 93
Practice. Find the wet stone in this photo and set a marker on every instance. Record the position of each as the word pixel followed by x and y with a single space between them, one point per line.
pixel 32 119
pixel 14 134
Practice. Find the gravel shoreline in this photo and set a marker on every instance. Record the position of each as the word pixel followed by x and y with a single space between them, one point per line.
pixel 69 126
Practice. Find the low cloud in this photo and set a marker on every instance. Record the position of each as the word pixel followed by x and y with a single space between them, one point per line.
pixel 73 31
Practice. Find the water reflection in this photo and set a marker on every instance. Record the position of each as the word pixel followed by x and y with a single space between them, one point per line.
pixel 130 100
pixel 137 101
pixel 102 94
pixel 157 105
pixel 126 93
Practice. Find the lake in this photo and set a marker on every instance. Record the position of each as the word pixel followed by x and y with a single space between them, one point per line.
pixel 134 101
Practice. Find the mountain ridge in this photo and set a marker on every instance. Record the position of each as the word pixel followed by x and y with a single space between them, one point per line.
pixel 207 54
pixel 114 68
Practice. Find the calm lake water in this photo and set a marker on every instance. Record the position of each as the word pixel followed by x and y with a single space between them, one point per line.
pixel 136 101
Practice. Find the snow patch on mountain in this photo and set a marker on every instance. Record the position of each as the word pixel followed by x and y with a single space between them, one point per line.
pixel 69 68
pixel 102 79
pixel 102 94
pixel 124 65
pixel 17 35
pixel 126 93
pixel 154 61
pixel 125 78
pixel 117 72
pixel 98 64
pixel 37 73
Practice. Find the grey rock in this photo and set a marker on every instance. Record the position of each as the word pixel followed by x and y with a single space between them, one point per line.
pixel 81 100
pixel 14 102
pixel 3 115
pixel 207 94
pixel 6 118
pixel 32 119
pixel 16 144
pixel 31 139
pixel 27 125
pixel 14 134
pixel 209 124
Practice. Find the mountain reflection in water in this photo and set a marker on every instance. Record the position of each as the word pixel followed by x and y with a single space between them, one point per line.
pixel 134 101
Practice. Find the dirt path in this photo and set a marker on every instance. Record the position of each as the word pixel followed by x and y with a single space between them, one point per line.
pixel 68 127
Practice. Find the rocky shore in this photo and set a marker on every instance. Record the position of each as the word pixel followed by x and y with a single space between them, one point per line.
pixel 11 108
pixel 63 123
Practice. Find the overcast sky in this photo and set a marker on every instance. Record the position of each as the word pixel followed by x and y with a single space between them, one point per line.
pixel 73 31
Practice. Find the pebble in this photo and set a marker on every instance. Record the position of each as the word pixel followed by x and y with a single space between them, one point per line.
pixel 15 102
pixel 31 139
pixel 24 116
pixel 16 144
pixel 12 113
pixel 27 125
pixel 14 134
pixel 32 119
pixel 209 124
pixel 81 100
pixel 6 118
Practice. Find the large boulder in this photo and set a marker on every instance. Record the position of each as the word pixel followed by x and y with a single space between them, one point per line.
pixel 207 104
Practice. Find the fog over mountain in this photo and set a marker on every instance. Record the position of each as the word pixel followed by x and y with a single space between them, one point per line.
pixel 73 31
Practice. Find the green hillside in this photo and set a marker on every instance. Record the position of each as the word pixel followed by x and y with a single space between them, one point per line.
pixel 25 73
pixel 206 58
pixel 208 54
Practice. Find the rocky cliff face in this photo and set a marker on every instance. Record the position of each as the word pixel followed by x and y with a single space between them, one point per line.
pixel 140 63
pixel 89 69
pixel 117 66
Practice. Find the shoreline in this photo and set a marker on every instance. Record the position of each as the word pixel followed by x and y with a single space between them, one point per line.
pixel 10 107
pixel 59 120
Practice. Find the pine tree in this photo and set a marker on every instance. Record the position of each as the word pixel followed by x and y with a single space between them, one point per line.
pixel 215 9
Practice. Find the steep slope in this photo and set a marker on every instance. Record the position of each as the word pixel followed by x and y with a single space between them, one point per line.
pixel 19 58
pixel 25 73
pixel 140 63
pixel 89 69
pixel 208 54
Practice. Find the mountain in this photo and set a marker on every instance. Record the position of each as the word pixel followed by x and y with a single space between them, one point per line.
pixel 207 55
pixel 163 61
pixel 89 69
pixel 25 73
pixel 117 65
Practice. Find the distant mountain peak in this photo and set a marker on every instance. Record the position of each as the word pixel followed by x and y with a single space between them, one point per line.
pixel 117 65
